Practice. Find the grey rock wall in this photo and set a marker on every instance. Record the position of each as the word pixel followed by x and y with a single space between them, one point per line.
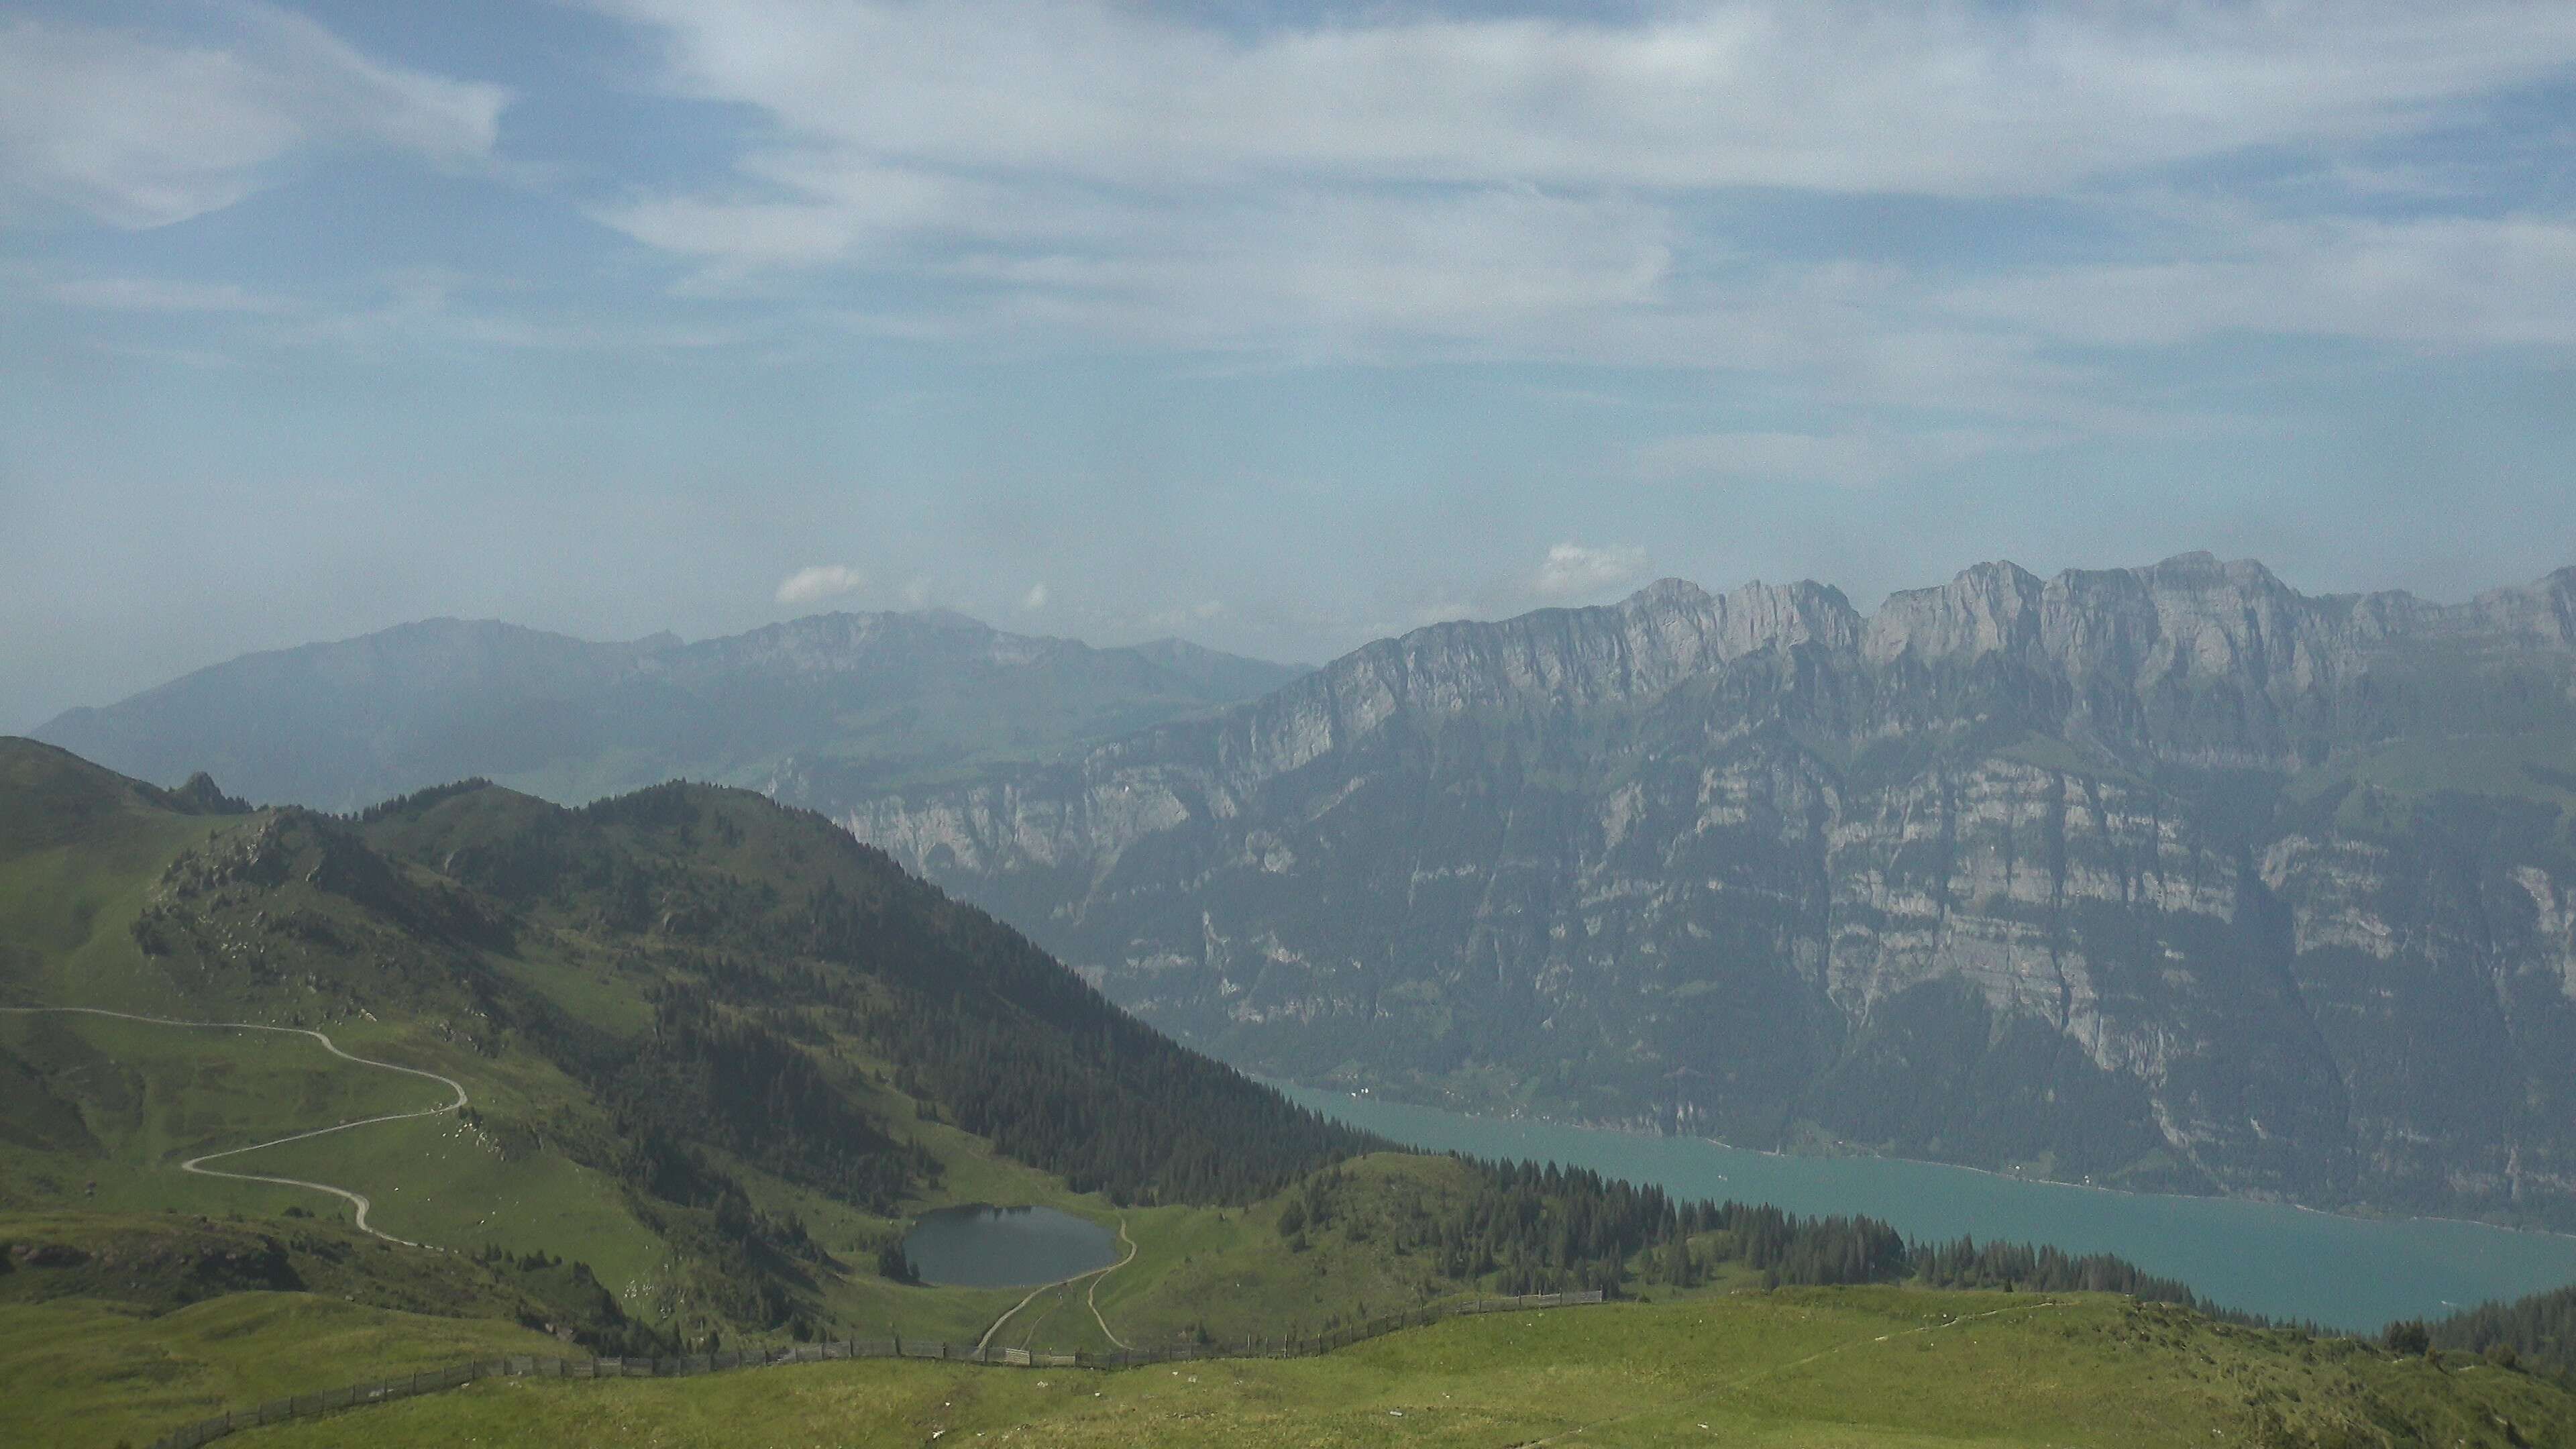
pixel 2167 877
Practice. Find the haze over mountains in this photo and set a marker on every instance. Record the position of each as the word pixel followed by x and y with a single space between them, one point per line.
pixel 2167 877
pixel 841 699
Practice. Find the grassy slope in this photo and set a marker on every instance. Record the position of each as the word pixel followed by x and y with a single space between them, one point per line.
pixel 133 1099
pixel 83 1371
pixel 1874 1367
pixel 439 1181
pixel 124 1324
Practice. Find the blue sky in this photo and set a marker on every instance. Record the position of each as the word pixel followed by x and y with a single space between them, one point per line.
pixel 1276 327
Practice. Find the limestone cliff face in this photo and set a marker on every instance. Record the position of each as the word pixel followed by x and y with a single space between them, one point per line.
pixel 2169 876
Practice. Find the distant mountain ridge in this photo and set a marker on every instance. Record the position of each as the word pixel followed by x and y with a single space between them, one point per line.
pixel 2171 876
pixel 847 698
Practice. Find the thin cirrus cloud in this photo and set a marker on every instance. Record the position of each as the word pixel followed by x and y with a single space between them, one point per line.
pixel 1532 188
pixel 822 581
pixel 1573 572
pixel 142 131
pixel 1943 98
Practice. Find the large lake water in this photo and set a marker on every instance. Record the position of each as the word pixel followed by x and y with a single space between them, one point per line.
pixel 2284 1261
pixel 1007 1247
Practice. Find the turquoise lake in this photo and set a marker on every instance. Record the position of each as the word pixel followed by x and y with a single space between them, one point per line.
pixel 2284 1261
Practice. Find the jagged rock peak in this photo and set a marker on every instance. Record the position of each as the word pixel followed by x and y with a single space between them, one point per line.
pixel 2191 614
pixel 2541 612
pixel 1667 595
pixel 2202 568
pixel 1990 608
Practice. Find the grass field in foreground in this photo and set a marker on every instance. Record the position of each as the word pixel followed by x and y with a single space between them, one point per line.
pixel 1813 1368
pixel 84 1372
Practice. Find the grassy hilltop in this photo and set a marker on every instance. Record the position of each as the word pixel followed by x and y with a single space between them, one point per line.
pixel 717 1056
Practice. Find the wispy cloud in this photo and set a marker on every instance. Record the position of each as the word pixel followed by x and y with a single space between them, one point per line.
pixel 1942 98
pixel 1572 571
pixel 143 131
pixel 823 581
pixel 1415 186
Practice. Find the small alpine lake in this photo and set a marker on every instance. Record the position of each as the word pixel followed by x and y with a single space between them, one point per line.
pixel 982 1246
pixel 2288 1262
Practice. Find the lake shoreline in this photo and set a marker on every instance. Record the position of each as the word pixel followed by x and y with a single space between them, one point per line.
pixel 1998 1174
pixel 2287 1261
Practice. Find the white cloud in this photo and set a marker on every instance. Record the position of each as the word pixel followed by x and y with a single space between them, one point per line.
pixel 1352 270
pixel 1035 598
pixel 142 132
pixel 1397 185
pixel 1948 98
pixel 823 581
pixel 1573 571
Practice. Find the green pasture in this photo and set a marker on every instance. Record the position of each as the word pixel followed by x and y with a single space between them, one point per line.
pixel 80 1371
pixel 1860 1367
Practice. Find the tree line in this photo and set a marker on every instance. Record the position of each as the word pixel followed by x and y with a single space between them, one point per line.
pixel 2535 1332
pixel 1522 1227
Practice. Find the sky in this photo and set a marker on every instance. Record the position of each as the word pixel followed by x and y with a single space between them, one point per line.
pixel 1278 327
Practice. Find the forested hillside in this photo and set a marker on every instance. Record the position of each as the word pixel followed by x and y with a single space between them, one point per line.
pixel 719 1032
pixel 2537 1332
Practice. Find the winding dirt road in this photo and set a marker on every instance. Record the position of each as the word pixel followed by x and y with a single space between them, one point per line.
pixel 1090 1300
pixel 357 1200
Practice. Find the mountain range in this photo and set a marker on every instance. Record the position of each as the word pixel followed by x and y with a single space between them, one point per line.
pixel 844 700
pixel 2167 877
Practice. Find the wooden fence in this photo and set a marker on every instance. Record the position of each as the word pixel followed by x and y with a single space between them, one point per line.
pixel 385 1391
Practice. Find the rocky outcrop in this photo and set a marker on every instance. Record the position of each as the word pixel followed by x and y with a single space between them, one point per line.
pixel 2168 876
